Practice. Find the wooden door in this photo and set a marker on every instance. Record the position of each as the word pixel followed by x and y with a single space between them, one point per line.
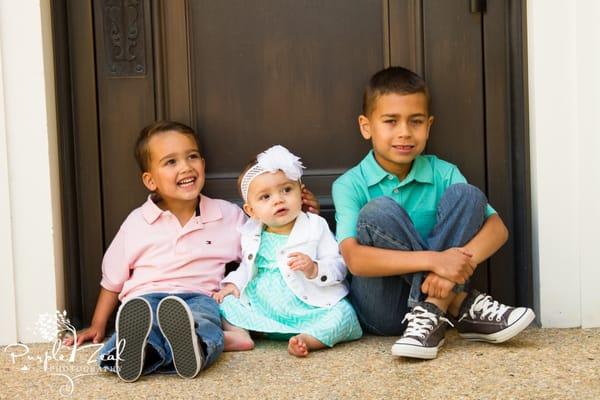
pixel 249 74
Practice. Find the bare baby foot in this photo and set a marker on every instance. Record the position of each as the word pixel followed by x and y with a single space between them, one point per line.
pixel 297 346
pixel 237 341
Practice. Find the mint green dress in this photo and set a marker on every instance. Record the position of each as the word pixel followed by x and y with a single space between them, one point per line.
pixel 276 311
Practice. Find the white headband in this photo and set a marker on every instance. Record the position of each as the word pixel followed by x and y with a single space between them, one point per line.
pixel 272 160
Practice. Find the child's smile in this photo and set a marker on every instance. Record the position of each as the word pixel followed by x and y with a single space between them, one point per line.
pixel 403 149
pixel 187 182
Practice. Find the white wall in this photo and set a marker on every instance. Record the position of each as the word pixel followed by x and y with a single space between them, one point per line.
pixel 564 89
pixel 8 330
pixel 29 188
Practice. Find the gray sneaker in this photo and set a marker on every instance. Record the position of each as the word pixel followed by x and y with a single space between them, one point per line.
pixel 134 322
pixel 424 334
pixel 177 325
pixel 482 318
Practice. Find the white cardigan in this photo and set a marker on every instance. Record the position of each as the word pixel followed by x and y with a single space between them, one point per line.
pixel 311 236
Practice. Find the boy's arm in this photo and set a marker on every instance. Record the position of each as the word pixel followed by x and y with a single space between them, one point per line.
pixel 452 264
pixel 309 201
pixel 115 271
pixel 370 261
pixel 492 235
pixel 106 304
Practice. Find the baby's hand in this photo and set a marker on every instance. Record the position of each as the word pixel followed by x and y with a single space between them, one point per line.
pixel 302 262
pixel 228 289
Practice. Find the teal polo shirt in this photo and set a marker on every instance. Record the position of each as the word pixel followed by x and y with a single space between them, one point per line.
pixel 418 193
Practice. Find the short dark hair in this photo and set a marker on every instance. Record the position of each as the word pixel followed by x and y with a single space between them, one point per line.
pixel 396 80
pixel 142 154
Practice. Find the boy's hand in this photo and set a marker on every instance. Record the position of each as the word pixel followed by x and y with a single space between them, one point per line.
pixel 309 201
pixel 454 264
pixel 93 333
pixel 436 286
pixel 302 262
pixel 228 289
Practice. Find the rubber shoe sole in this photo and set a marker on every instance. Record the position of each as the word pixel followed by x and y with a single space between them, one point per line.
pixel 505 334
pixel 133 325
pixel 176 323
pixel 415 351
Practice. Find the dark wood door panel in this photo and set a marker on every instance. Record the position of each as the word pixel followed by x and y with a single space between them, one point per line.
pixel 454 72
pixel 500 159
pixel 282 72
pixel 451 58
pixel 126 102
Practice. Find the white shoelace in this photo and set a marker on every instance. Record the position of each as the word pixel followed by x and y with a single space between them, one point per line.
pixel 489 308
pixel 421 322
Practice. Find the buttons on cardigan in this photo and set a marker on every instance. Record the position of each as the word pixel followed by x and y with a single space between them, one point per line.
pixel 250 257
pixel 323 278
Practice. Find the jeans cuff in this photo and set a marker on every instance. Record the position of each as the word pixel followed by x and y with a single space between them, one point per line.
pixel 211 351
pixel 459 288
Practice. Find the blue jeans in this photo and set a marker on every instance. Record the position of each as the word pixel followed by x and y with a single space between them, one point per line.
pixel 382 302
pixel 158 353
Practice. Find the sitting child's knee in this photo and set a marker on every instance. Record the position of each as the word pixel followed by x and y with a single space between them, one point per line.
pixel 379 209
pixel 465 191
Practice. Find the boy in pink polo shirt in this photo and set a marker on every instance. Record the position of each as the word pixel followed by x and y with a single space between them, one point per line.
pixel 167 258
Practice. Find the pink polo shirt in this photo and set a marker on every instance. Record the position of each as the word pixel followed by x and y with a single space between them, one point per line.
pixel 152 252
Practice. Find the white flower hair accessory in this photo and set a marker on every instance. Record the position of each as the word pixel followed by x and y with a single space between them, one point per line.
pixel 272 160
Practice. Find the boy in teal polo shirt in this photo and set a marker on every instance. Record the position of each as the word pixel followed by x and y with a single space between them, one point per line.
pixel 412 231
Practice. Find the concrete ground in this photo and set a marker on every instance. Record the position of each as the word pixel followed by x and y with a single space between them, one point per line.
pixel 538 364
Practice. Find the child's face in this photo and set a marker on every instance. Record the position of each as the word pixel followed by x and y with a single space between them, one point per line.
pixel 274 200
pixel 398 128
pixel 176 170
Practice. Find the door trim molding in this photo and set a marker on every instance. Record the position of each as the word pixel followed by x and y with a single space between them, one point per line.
pixel 79 159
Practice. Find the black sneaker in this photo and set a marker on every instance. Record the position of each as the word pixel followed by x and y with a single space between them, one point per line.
pixel 176 323
pixel 424 334
pixel 484 319
pixel 133 325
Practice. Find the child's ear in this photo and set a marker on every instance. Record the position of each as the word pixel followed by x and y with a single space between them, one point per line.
pixel 364 125
pixel 248 210
pixel 148 181
pixel 429 123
